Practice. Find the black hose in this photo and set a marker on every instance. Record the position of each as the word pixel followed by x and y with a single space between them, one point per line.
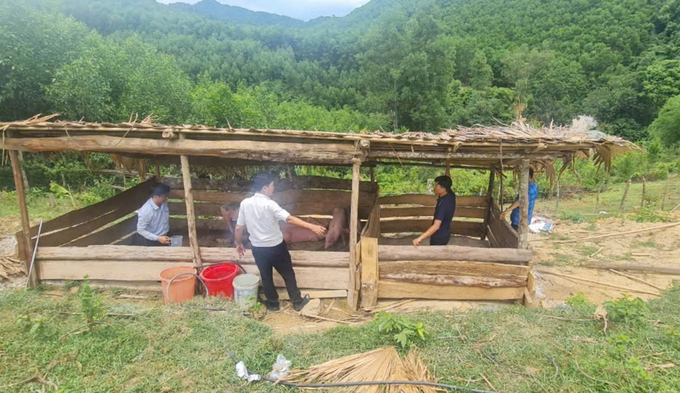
pixel 372 383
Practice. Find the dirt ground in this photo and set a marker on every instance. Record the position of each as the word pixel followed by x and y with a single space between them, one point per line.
pixel 660 247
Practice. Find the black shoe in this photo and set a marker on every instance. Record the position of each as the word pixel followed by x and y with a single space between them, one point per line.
pixel 272 307
pixel 302 304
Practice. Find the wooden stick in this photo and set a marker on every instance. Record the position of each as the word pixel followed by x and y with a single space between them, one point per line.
pixel 599 282
pixel 191 216
pixel 523 231
pixel 625 193
pixel 23 211
pixel 613 234
pixel 663 269
pixel 597 203
pixel 675 208
pixel 596 252
pixel 644 191
pixel 637 279
pixel 665 191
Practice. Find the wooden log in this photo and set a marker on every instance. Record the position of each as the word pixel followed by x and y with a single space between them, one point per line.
pixel 530 292
pixel 191 216
pixel 107 235
pixel 369 272
pixel 466 228
pixel 431 200
pixel 636 279
pixel 352 293
pixel 461 211
pixel 391 289
pixel 297 153
pixel 455 156
pixel 444 280
pixel 307 277
pixel 652 269
pixel 298 209
pixel 23 213
pixel 492 239
pixel 523 230
pixel 457 253
pixel 459 268
pixel 133 197
pixel 244 186
pixel 182 254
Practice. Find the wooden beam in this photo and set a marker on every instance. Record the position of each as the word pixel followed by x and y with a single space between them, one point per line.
pixel 461 268
pixel 392 289
pixel 419 155
pixel 23 213
pixel 244 186
pixel 523 231
pixel 454 253
pixel 426 211
pixel 431 200
pixel 107 235
pixel 445 280
pixel 466 228
pixel 191 216
pixel 369 272
pixel 352 292
pixel 298 153
pixel 183 254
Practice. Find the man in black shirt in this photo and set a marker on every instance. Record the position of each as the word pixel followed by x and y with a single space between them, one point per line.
pixel 440 231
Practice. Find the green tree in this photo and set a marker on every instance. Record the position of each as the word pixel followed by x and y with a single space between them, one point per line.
pixel 667 125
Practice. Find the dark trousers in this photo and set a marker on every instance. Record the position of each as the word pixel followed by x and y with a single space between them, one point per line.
pixel 439 240
pixel 140 240
pixel 278 258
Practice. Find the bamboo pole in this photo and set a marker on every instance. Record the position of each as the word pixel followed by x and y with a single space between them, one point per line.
pixel 191 216
pixel 523 231
pixel 625 194
pixel 352 293
pixel 23 211
pixel 489 202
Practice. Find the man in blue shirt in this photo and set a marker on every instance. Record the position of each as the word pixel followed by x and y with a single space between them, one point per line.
pixel 533 195
pixel 440 230
pixel 153 219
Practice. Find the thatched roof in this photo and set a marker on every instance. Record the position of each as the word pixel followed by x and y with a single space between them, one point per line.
pixel 475 147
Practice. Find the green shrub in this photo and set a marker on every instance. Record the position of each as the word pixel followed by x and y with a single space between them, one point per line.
pixel 402 330
pixel 626 310
pixel 90 305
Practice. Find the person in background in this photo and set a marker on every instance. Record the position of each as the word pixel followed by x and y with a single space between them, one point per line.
pixel 260 215
pixel 440 230
pixel 533 195
pixel 153 219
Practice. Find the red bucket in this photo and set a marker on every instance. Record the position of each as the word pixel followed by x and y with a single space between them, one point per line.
pixel 219 279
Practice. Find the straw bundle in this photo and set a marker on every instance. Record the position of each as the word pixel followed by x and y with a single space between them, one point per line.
pixel 383 364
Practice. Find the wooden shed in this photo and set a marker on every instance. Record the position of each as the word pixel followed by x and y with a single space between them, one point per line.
pixel 487 260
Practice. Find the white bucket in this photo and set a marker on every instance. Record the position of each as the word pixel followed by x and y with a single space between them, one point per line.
pixel 176 241
pixel 245 290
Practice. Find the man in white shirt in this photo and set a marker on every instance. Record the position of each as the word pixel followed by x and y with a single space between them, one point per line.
pixel 153 219
pixel 260 215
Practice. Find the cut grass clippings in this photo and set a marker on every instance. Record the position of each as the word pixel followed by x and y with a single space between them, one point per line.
pixel 184 347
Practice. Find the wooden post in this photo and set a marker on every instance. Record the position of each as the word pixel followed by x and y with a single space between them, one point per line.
pixel 665 191
pixel 23 172
pixel 369 272
pixel 372 172
pixel 158 172
pixel 352 293
pixel 524 204
pixel 625 194
pixel 597 203
pixel 25 223
pixel 448 169
pixel 644 191
pixel 191 216
pixel 557 199
pixel 489 202
pixel 500 191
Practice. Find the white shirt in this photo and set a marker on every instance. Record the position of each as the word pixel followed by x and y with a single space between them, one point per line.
pixel 261 216
pixel 153 220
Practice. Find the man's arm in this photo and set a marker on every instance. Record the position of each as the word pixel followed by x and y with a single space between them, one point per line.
pixel 512 207
pixel 318 229
pixel 240 249
pixel 430 231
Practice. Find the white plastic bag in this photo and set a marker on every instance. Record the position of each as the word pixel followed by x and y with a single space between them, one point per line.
pixel 281 367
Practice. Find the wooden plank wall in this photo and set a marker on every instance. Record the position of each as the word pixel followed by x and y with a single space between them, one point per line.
pixel 414 213
pixel 500 233
pixel 82 224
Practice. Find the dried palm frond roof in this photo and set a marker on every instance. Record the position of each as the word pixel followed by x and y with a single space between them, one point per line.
pixel 477 146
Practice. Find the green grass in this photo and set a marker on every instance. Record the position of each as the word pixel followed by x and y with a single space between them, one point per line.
pixel 40 207
pixel 183 348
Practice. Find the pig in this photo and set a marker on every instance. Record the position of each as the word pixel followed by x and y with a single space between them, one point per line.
pixel 337 227
pixel 293 234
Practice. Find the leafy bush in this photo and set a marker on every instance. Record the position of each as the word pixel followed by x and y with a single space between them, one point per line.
pixel 403 331
pixel 580 302
pixel 649 214
pixel 626 310
pixel 90 305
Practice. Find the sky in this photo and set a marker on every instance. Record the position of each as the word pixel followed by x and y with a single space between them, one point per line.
pixel 300 9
